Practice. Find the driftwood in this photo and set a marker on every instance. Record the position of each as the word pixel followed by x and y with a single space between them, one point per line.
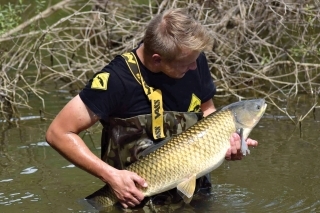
pixel 262 48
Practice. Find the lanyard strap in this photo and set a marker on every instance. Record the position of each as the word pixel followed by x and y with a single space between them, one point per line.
pixel 154 96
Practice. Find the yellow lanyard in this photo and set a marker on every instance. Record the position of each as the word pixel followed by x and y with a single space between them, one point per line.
pixel 154 96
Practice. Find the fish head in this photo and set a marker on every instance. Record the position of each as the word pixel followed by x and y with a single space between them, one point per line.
pixel 247 114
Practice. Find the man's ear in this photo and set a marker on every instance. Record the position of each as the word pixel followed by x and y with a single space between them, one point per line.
pixel 156 59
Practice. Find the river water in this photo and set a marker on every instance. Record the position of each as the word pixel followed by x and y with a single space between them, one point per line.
pixel 280 175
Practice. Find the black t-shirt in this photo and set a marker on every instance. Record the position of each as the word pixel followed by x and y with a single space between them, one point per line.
pixel 115 92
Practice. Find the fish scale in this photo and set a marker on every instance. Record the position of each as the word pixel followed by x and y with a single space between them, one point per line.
pixel 196 151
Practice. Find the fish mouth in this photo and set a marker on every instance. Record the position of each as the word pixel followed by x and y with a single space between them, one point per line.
pixel 263 104
pixel 264 107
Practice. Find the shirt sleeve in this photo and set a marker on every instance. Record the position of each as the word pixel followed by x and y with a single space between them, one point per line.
pixel 105 97
pixel 208 87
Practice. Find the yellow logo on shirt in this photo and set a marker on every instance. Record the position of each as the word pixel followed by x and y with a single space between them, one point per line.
pixel 194 104
pixel 100 81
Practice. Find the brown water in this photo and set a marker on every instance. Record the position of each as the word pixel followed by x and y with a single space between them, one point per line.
pixel 280 175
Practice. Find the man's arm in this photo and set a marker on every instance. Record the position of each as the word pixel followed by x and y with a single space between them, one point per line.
pixel 207 108
pixel 62 135
pixel 235 141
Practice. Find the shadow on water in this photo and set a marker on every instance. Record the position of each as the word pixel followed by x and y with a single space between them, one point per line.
pixel 280 175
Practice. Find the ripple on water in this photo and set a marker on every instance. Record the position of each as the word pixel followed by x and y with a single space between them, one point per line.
pixel 17 198
pixel 279 204
pixel 230 198
pixel 5 180
pixel 40 144
pixel 29 170
pixel 43 143
pixel 69 166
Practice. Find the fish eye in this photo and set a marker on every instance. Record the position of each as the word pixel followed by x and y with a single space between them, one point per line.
pixel 258 107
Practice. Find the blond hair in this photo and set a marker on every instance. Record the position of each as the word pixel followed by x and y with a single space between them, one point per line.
pixel 173 31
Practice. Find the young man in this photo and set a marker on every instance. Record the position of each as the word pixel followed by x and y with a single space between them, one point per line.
pixel 142 97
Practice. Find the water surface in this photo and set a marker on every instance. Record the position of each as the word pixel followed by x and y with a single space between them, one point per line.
pixel 280 175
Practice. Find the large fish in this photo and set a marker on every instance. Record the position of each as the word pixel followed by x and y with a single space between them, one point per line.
pixel 191 154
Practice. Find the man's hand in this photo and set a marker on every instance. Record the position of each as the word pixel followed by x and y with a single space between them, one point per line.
pixel 125 185
pixel 234 152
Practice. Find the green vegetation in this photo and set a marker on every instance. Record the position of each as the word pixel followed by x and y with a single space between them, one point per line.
pixel 10 15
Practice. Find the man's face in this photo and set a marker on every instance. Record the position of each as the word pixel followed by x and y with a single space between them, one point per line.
pixel 183 63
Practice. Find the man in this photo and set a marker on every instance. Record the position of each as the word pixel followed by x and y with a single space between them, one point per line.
pixel 169 72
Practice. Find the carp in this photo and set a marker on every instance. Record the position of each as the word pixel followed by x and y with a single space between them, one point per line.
pixel 193 153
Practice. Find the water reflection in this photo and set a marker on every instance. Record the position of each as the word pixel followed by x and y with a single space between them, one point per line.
pixel 19 198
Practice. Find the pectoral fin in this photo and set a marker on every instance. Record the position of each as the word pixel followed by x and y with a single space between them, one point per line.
pixel 186 188
pixel 244 146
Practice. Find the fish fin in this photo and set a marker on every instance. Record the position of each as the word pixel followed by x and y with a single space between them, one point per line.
pixel 141 146
pixel 244 146
pixel 103 198
pixel 152 148
pixel 185 198
pixel 186 188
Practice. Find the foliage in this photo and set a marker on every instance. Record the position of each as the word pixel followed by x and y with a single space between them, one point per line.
pixel 40 4
pixel 10 15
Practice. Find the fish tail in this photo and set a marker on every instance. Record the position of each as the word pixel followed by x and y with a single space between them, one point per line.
pixel 102 198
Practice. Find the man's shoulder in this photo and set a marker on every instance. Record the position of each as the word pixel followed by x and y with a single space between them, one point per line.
pixel 119 69
pixel 202 57
pixel 117 66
